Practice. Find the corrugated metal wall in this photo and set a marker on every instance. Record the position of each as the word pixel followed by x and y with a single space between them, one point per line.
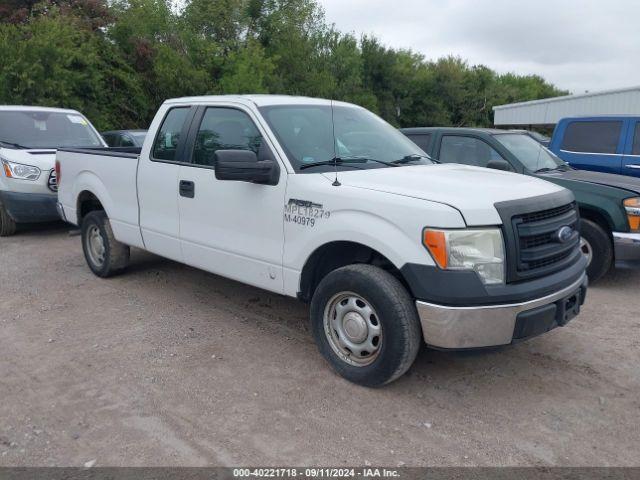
pixel 549 111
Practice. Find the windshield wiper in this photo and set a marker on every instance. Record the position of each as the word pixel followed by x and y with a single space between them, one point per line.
pixel 332 162
pixel 11 144
pixel 413 158
pixel 562 168
pixel 345 161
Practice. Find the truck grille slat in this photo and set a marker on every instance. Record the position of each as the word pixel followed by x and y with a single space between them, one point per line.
pixel 540 248
pixel 546 225
pixel 541 252
pixel 544 214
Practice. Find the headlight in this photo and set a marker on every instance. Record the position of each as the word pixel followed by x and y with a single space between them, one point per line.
pixel 632 206
pixel 479 250
pixel 20 171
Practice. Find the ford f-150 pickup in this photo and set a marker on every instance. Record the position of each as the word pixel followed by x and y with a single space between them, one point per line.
pixel 324 201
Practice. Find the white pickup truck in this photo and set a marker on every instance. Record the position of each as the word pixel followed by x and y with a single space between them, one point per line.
pixel 326 202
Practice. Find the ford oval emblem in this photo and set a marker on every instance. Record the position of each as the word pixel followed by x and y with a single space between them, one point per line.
pixel 564 234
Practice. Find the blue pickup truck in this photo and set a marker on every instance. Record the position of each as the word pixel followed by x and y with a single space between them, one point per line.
pixel 603 143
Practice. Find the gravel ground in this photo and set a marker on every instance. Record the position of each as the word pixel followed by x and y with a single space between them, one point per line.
pixel 168 365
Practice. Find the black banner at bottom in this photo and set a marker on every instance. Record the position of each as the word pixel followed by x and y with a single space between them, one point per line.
pixel 309 473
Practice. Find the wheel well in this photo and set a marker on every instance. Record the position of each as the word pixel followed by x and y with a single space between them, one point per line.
pixel 334 255
pixel 597 218
pixel 87 202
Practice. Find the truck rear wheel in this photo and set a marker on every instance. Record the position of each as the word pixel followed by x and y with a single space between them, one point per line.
pixel 365 324
pixel 597 247
pixel 7 224
pixel 104 254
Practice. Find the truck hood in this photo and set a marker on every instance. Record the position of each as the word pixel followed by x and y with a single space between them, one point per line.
pixel 471 190
pixel 599 178
pixel 44 159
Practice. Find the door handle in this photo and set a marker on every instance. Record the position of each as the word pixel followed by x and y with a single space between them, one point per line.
pixel 187 189
pixel 635 165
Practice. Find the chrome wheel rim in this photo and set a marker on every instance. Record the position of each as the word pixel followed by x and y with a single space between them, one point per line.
pixel 353 329
pixel 95 246
pixel 586 249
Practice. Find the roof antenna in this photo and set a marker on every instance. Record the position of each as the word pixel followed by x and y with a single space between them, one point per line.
pixel 335 183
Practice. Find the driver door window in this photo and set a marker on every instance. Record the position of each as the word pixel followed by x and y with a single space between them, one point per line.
pixel 466 150
pixel 224 129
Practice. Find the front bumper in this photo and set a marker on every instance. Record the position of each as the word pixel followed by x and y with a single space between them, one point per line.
pixel 491 325
pixel 30 207
pixel 627 246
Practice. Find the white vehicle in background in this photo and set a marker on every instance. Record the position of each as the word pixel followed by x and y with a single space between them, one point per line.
pixel 29 137
pixel 326 202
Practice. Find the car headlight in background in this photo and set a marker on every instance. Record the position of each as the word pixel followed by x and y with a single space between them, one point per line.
pixel 632 206
pixel 20 171
pixel 480 250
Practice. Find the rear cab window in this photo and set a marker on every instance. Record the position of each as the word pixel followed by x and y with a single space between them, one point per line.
pixel 165 146
pixel 592 137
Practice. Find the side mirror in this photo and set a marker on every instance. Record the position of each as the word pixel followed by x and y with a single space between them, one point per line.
pixel 500 165
pixel 243 166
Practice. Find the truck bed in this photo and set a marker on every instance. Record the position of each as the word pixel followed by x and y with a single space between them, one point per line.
pixel 110 173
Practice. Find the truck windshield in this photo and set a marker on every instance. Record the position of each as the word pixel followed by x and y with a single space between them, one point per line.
pixel 530 153
pixel 43 129
pixel 362 140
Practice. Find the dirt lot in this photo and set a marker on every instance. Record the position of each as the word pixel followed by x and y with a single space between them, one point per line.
pixel 167 365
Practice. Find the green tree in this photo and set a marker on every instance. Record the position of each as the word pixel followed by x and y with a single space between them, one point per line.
pixel 50 61
pixel 248 70
pixel 118 60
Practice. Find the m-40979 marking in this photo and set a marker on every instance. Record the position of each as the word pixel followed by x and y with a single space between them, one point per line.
pixel 304 212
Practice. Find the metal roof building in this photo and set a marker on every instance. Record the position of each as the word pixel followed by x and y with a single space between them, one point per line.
pixel 549 111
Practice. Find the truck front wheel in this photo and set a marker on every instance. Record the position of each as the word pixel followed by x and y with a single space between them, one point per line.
pixel 597 247
pixel 365 324
pixel 104 254
pixel 7 225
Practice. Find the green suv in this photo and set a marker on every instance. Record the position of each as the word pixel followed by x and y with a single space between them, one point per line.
pixel 609 204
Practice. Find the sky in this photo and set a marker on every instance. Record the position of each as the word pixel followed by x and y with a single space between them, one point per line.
pixel 578 45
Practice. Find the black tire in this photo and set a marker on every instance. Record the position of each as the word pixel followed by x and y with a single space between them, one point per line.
pixel 601 247
pixel 7 224
pixel 115 254
pixel 401 334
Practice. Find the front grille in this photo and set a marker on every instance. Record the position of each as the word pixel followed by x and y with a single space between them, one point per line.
pixel 547 261
pixel 52 182
pixel 544 214
pixel 536 240
pixel 541 249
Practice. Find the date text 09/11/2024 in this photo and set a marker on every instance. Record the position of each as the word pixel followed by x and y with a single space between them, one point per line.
pixel 367 472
